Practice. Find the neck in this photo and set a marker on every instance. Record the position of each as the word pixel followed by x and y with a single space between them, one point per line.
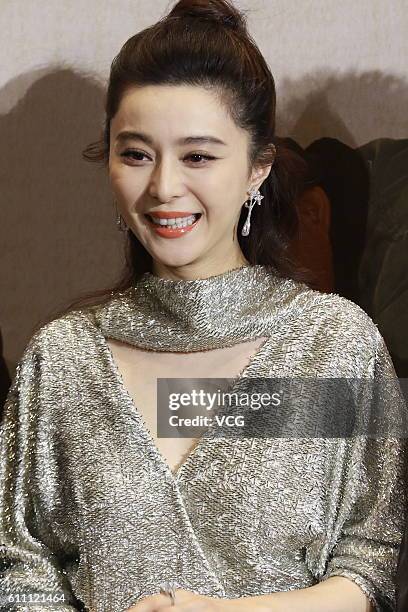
pixel 164 314
pixel 196 270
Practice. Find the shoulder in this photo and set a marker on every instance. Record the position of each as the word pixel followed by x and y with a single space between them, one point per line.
pixel 74 329
pixel 292 302
pixel 335 328
pixel 50 348
pixel 54 363
pixel 329 308
pixel 339 311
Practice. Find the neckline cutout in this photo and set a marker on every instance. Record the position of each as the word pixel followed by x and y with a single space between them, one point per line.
pixel 177 472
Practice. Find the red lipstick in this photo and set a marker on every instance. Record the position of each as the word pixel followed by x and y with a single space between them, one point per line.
pixel 170 231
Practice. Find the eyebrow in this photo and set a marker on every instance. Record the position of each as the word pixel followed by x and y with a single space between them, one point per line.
pixel 129 135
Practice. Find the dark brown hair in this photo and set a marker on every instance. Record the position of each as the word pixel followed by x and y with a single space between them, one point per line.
pixel 205 43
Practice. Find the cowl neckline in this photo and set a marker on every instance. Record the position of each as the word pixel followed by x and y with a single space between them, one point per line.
pixel 163 314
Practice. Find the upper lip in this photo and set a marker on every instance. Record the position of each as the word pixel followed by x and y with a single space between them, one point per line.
pixel 162 214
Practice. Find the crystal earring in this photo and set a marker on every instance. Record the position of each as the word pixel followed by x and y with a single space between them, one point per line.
pixel 120 222
pixel 256 197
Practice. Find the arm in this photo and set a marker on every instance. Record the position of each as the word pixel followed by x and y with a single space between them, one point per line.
pixel 356 566
pixel 336 594
pixel 30 576
pixel 372 508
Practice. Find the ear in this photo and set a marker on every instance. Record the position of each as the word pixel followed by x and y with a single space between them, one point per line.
pixel 258 176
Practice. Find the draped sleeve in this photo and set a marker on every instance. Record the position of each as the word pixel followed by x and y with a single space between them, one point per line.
pixel 364 542
pixel 31 574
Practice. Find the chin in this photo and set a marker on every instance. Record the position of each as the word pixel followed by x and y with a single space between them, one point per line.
pixel 174 251
pixel 174 262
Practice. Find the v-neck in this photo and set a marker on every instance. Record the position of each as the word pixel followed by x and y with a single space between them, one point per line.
pixel 176 475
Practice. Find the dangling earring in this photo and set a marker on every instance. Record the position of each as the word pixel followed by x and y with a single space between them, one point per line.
pixel 120 222
pixel 256 197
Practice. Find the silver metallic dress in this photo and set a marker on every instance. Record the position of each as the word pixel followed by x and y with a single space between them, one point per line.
pixel 91 516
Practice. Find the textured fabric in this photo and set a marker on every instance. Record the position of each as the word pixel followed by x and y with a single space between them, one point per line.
pixel 90 513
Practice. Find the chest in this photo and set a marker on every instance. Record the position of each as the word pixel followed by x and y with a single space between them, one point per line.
pixel 140 370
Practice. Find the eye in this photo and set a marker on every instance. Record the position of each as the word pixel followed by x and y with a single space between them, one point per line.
pixel 205 157
pixel 131 153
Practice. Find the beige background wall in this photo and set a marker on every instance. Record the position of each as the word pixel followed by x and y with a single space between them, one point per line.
pixel 340 70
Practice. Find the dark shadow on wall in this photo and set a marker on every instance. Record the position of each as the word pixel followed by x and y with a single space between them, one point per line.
pixel 352 107
pixel 58 233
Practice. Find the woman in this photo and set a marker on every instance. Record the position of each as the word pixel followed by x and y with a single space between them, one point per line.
pixel 99 513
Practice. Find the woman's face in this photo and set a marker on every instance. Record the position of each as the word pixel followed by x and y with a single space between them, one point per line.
pixel 162 169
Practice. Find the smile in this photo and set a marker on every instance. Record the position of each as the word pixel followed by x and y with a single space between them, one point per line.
pixel 173 227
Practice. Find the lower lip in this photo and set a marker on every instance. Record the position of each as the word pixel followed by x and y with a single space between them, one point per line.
pixel 169 232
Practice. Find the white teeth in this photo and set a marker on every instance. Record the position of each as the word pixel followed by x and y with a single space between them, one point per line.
pixel 175 221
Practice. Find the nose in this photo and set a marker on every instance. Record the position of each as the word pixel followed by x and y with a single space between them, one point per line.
pixel 165 181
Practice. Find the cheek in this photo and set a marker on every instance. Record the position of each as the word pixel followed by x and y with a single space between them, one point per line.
pixel 223 215
pixel 125 186
pixel 228 203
